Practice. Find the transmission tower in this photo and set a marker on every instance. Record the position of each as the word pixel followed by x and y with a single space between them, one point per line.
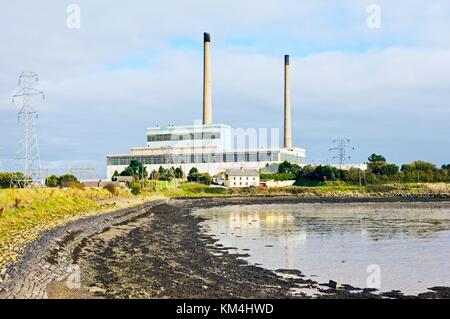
pixel 341 147
pixel 27 148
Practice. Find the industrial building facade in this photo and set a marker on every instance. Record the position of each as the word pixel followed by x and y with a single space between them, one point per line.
pixel 207 146
pixel 205 161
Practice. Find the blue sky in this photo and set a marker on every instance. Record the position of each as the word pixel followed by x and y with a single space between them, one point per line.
pixel 135 65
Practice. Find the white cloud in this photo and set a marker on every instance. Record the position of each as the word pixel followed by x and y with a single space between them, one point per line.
pixel 387 96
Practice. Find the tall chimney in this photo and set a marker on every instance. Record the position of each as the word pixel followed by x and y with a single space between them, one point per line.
pixel 207 99
pixel 287 105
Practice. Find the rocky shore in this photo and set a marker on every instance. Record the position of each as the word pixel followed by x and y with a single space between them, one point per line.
pixel 157 250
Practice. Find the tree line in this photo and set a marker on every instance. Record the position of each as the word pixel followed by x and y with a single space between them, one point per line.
pixel 139 172
pixel 378 171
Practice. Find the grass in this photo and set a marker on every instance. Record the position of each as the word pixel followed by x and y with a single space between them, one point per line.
pixel 25 213
pixel 330 188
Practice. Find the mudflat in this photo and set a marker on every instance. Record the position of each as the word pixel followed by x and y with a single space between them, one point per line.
pixel 157 251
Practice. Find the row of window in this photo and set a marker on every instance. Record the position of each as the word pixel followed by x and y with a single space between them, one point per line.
pixel 240 184
pixel 230 157
pixel 242 178
pixel 181 137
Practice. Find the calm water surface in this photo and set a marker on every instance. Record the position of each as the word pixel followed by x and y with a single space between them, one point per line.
pixel 409 242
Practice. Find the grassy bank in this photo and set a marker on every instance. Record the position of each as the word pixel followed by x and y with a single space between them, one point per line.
pixel 329 189
pixel 25 213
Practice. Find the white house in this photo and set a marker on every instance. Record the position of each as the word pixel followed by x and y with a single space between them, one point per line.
pixel 240 177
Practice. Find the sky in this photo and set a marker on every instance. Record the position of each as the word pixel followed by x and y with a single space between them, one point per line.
pixel 138 64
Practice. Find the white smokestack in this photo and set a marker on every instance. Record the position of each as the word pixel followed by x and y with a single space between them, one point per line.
pixel 287 105
pixel 207 98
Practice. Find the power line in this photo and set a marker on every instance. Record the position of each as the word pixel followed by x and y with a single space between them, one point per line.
pixel 27 156
pixel 83 173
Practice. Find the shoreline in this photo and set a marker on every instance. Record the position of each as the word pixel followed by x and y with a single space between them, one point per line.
pixel 170 257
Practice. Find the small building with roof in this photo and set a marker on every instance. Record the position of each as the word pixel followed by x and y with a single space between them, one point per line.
pixel 241 177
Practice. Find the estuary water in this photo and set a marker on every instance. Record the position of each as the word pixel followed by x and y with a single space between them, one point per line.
pixel 389 246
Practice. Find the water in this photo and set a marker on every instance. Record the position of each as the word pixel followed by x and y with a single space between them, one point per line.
pixel 392 246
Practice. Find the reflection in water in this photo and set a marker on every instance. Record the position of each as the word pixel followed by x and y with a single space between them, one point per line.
pixel 338 241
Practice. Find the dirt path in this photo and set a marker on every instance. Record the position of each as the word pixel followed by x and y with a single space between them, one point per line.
pixel 47 259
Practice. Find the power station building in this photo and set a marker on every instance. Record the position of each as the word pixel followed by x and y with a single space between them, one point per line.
pixel 209 147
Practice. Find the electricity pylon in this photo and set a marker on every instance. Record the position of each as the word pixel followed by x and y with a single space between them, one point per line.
pixel 341 148
pixel 27 148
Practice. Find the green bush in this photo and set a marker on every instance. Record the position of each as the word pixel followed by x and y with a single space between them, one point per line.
pixel 195 176
pixel 287 167
pixel 204 178
pixel 135 188
pixel 7 178
pixel 278 177
pixel 68 178
pixel 52 181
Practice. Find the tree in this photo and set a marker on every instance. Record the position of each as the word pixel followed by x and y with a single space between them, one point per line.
pixel 162 174
pixel 288 168
pixel 193 171
pixel 166 174
pixel 7 178
pixel 52 181
pixel 204 178
pixel 446 166
pixel 171 173
pixel 284 167
pixel 154 175
pixel 128 171
pixel 178 172
pixel 193 174
pixel 325 173
pixel 67 178
pixel 391 169
pixel 383 168
pixel 135 169
pixel 419 166
pixel 376 158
